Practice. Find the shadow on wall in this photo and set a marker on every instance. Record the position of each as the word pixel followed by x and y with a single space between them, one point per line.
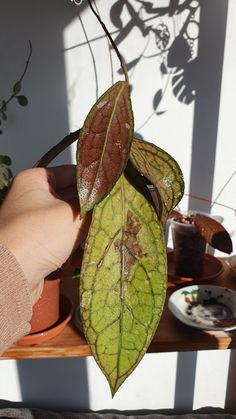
pixel 54 383
pixel 31 131
pixel 190 39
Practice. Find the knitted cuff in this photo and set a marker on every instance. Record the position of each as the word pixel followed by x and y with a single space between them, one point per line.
pixel 15 304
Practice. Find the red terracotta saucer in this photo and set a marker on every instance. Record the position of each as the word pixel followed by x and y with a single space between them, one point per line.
pixel 53 331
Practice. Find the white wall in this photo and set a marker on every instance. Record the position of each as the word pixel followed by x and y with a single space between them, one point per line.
pixel 61 87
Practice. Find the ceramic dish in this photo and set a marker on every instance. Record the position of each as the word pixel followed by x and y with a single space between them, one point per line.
pixel 53 331
pixel 207 307
pixel 212 267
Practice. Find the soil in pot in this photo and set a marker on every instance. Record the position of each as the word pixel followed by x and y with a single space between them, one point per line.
pixel 189 248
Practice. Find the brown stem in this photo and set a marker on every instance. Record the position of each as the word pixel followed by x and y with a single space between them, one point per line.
pixel 122 63
pixel 57 149
pixel 201 198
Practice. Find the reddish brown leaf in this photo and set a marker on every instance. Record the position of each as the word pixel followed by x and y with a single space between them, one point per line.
pixel 104 144
pixel 176 215
pixel 214 233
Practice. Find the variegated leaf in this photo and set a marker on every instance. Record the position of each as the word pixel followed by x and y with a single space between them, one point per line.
pixel 123 281
pixel 162 171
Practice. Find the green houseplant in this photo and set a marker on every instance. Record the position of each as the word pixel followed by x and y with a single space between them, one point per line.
pixel 124 269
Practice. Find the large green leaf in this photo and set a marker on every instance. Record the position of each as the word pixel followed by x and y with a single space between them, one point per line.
pixel 123 281
pixel 162 171
pixel 104 145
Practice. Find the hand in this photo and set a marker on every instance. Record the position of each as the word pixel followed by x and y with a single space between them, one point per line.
pixel 40 222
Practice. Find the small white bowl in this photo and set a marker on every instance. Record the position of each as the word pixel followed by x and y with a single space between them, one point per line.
pixel 231 263
pixel 206 307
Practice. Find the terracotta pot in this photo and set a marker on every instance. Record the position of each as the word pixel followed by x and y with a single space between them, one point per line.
pixel 46 311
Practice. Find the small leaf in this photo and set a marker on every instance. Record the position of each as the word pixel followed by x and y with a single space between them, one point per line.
pixel 123 281
pixel 104 144
pixel 17 87
pixel 214 233
pixel 4 179
pixel 157 99
pixel 22 100
pixel 162 171
pixel 5 160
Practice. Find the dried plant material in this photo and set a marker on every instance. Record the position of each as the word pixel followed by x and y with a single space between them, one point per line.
pixel 214 233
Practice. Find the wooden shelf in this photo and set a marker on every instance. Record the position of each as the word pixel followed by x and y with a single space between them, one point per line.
pixel 171 335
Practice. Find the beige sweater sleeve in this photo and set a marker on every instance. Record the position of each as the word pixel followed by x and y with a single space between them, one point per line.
pixel 15 305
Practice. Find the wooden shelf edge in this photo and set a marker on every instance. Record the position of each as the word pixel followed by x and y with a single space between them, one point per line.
pixel 171 335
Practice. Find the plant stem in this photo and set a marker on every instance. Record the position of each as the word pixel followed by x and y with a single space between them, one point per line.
pixel 109 49
pixel 201 198
pixel 57 149
pixel 72 137
pixel 122 63
pixel 27 62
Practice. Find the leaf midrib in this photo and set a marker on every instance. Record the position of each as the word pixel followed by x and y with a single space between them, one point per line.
pixel 107 133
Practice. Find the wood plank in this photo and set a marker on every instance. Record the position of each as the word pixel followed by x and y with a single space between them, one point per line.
pixel 171 335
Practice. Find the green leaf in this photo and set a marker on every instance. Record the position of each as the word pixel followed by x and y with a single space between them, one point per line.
pixel 22 100
pixel 17 87
pixel 104 144
pixel 123 281
pixel 4 179
pixel 5 160
pixel 214 233
pixel 162 171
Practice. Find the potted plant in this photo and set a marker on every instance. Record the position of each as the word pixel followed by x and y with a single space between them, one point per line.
pixel 191 232
pixel 123 276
